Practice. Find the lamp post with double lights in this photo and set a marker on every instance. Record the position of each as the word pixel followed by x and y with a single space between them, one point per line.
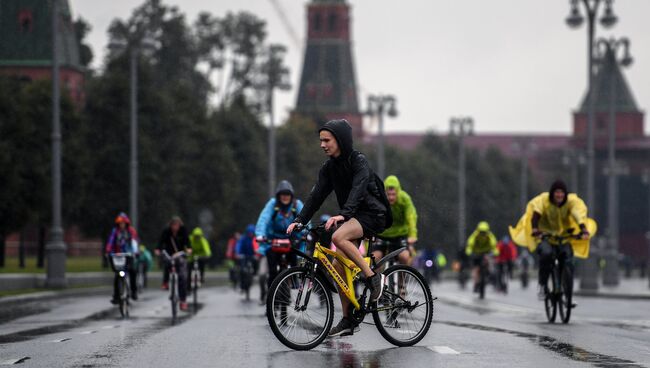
pixel 378 105
pixel 589 280
pixel 461 127
pixel 135 48
pixel 607 57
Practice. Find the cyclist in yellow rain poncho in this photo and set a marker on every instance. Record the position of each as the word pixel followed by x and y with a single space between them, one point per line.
pixel 556 212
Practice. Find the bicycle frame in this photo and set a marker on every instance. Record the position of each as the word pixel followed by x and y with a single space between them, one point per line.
pixel 345 282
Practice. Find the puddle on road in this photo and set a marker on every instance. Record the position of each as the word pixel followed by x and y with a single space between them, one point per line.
pixel 552 344
pixel 342 354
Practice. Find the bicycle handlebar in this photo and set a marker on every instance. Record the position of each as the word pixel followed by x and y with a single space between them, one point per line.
pixel 173 256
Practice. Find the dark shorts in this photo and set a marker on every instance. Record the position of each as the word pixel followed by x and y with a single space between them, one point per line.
pixel 477 259
pixel 372 224
pixel 387 245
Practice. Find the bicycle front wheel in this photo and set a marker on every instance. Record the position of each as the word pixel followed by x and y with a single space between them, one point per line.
pixel 550 300
pixel 565 302
pixel 173 297
pixel 405 309
pixel 124 298
pixel 295 309
pixel 195 290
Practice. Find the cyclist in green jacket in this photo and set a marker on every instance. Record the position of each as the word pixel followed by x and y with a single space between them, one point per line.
pixel 480 243
pixel 404 229
pixel 200 250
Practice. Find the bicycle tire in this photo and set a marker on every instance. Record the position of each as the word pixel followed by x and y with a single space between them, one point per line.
pixel 195 290
pixel 173 297
pixel 565 301
pixel 550 300
pixel 482 281
pixel 124 298
pixel 383 328
pixel 283 303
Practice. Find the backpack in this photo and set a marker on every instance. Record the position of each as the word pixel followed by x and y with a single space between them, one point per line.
pixel 381 195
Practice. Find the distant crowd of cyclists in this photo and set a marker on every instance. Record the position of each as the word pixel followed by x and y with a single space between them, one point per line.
pixel 370 208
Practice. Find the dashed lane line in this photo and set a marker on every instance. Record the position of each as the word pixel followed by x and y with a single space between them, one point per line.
pixel 443 350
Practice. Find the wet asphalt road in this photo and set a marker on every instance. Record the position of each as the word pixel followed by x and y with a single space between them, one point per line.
pixel 500 331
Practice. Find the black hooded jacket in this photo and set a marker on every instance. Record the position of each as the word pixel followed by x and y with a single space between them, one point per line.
pixel 357 188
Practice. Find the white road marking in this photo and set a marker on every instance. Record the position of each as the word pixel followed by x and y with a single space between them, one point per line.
pixel 109 327
pixel 443 350
pixel 13 361
pixel 61 340
pixel 87 332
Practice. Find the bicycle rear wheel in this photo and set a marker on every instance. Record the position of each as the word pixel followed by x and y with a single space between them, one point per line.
pixel 195 290
pixel 409 305
pixel 565 302
pixel 550 300
pixel 294 309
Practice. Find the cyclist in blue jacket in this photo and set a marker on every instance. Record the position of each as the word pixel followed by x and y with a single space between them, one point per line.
pixel 278 213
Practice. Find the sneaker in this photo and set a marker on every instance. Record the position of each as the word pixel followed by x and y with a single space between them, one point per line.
pixel 165 286
pixel 115 301
pixel 344 328
pixel 134 297
pixel 376 283
pixel 184 306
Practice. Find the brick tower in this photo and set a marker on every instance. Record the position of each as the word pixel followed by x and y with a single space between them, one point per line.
pixel 328 88
pixel 26 44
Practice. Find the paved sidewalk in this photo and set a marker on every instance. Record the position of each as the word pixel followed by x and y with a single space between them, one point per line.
pixel 22 281
pixel 633 288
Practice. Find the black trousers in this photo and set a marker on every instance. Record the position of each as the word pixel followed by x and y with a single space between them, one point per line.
pixel 547 254
pixel 275 260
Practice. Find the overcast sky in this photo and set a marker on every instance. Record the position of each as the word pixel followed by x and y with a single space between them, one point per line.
pixel 513 65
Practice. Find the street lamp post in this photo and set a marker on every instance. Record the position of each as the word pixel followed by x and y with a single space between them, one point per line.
pixel 524 147
pixel 609 50
pixel 378 105
pixel 145 44
pixel 56 247
pixel 462 127
pixel 276 76
pixel 646 180
pixel 589 279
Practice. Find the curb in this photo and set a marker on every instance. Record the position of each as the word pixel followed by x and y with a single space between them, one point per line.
pixel 592 294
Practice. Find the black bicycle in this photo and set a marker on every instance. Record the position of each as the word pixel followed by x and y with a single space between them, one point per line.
pixel 483 276
pixel 173 282
pixel 195 282
pixel 559 287
pixel 247 271
pixel 121 263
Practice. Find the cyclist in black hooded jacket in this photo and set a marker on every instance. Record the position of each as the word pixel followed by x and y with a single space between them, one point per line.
pixel 365 211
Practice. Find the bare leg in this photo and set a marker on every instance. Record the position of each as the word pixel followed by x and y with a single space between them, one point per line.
pixel 378 255
pixel 405 258
pixel 345 303
pixel 343 237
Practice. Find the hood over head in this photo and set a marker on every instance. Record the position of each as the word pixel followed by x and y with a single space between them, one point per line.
pixel 558 184
pixel 342 132
pixel 392 182
pixel 122 217
pixel 250 230
pixel 483 226
pixel 197 232
pixel 284 187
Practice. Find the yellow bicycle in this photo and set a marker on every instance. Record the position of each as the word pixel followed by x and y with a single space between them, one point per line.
pixel 300 308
